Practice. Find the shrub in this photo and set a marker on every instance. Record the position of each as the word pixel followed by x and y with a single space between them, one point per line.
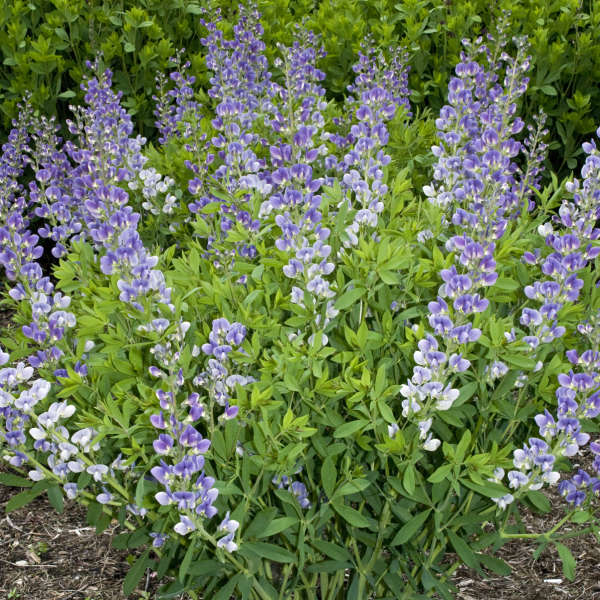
pixel 45 44
pixel 282 371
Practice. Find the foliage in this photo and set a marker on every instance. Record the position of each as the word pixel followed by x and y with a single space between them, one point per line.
pixel 282 370
pixel 46 42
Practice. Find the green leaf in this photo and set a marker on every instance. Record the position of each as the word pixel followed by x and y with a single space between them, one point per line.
pixel 581 516
pixel 165 561
pixel 568 562
pixel 549 90
pixel 539 501
pixel 489 489
pixel 67 94
pixel 463 550
pixel 329 566
pixel 332 550
pixel 380 384
pixel 466 392
pixel 408 479
pixel 440 474
pixel 14 480
pixel 139 491
pixel 193 9
pixel 103 522
pixel 27 496
pixel 347 429
pixel 389 277
pixel 353 487
pixel 93 513
pixel 127 540
pixel 350 297
pixel 55 498
pixel 270 551
pixel 350 515
pixel 385 411
pixel 135 573
pixel 277 526
pixel 328 476
pixel 187 559
pixel 497 565
pixel 205 567
pixel 226 591
pixel 408 530
pixel 506 284
pixel 260 521
pixel 520 361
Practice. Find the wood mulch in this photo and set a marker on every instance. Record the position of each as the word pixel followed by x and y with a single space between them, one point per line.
pixel 49 556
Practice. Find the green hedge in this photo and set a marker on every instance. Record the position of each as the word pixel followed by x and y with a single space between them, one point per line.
pixel 45 44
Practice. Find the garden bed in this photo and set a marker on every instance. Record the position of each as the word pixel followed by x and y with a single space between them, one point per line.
pixel 49 556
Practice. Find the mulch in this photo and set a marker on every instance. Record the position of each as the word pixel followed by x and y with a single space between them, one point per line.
pixel 49 556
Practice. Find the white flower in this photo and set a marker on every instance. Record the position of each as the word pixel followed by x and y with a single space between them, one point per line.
pixel 551 477
pixel 23 373
pixel 424 427
pixel 424 235
pixel 431 444
pixel 448 396
pixel 37 434
pixel 36 475
pixel 504 501
pixel 498 475
pixel 410 406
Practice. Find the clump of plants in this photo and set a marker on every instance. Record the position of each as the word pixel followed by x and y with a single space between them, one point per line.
pixel 284 370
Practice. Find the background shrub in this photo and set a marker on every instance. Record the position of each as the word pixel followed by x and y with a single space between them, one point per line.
pixel 45 43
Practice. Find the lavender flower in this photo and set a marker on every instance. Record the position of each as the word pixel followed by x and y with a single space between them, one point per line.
pixel 477 186
pixel 297 488
pixel 578 398
pixel 107 155
pixel 176 110
pixel 378 90
pixel 182 447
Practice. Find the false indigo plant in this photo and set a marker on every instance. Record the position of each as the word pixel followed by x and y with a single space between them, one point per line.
pixel 478 189
pixel 176 107
pixel 298 122
pixel 571 252
pixel 578 394
pixel 146 386
pixel 108 155
pixel 378 91
pixel 239 84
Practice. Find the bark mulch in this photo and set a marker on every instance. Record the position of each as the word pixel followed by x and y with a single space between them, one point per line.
pixel 49 556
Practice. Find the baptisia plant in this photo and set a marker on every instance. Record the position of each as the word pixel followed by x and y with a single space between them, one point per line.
pixel 104 159
pixel 478 190
pixel 379 89
pixel 578 394
pixel 171 387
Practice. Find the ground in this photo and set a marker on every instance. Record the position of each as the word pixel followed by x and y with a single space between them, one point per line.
pixel 50 556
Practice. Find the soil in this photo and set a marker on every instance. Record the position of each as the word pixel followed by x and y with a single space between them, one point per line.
pixel 49 556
